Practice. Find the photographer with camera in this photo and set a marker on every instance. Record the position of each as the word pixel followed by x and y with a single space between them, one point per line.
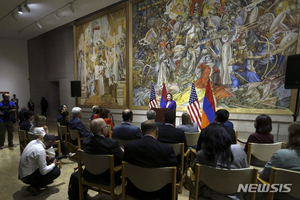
pixel 7 119
pixel 33 168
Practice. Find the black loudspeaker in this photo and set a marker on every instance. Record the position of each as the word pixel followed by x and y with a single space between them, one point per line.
pixel 75 89
pixel 292 74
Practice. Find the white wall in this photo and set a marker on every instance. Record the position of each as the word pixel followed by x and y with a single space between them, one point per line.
pixel 14 69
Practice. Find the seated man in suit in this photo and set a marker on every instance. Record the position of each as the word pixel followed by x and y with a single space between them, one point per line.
pixel 75 123
pixel 100 144
pixel 150 153
pixel 151 116
pixel 169 134
pixel 221 117
pixel 126 131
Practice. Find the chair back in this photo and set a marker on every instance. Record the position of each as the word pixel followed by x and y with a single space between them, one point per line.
pixel 149 179
pixel 63 131
pixel 75 135
pixel 123 142
pixel 256 149
pixel 58 129
pixel 191 138
pixel 23 139
pixel 178 148
pixel 224 181
pixel 32 136
pixel 284 176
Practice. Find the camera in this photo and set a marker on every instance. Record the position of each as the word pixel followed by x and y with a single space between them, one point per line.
pixel 58 158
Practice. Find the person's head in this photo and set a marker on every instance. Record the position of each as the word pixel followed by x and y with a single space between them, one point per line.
pixel 216 143
pixel 60 110
pixel 99 127
pixel 169 97
pixel 263 124
pixel 186 119
pixel 98 110
pixel 30 100
pixel 14 95
pixel 104 113
pixel 43 98
pixel 28 115
pixel 76 111
pixel 65 107
pixel 127 115
pixel 151 114
pixel 65 115
pixel 5 97
pixel 94 108
pixel 221 116
pixel 169 116
pixel 150 128
pixel 39 121
pixel 48 140
pixel 294 137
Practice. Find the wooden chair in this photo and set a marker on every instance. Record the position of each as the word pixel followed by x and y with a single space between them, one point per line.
pixel 123 142
pixel 58 129
pixel 148 179
pixel 23 140
pixel 284 176
pixel 179 150
pixel 263 152
pixel 32 136
pixel 191 138
pixel 224 181
pixel 97 164
pixel 63 133
pixel 75 135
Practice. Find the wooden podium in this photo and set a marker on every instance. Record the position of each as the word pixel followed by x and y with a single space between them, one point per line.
pixel 160 114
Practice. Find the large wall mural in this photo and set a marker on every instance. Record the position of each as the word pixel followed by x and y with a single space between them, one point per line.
pixel 240 46
pixel 101 59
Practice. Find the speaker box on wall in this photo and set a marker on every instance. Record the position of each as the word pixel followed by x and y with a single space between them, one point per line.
pixel 292 75
pixel 75 89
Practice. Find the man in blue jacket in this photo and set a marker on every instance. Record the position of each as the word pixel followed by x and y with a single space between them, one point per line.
pixel 7 117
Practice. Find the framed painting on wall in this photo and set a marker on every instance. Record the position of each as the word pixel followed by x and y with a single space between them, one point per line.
pixel 240 46
pixel 101 58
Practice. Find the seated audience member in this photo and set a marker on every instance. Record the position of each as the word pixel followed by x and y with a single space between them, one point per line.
pixel 75 123
pixel 33 168
pixel 98 112
pixel 218 151
pixel 151 114
pixel 27 123
pixel 220 117
pixel 263 128
pixel 105 116
pixel 21 115
pixel 65 119
pixel 94 111
pixel 288 158
pixel 39 128
pixel 187 124
pixel 99 144
pixel 169 134
pixel 60 111
pixel 229 124
pixel 150 153
pixel 126 131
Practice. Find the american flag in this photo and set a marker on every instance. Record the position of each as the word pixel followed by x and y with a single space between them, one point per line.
pixel 193 108
pixel 152 102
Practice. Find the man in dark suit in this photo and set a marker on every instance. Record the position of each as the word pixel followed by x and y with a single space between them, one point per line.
pixel 100 144
pixel 169 134
pixel 221 117
pixel 75 123
pixel 126 131
pixel 148 152
pixel 151 116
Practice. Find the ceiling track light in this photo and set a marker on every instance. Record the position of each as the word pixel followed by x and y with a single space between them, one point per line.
pixel 13 16
pixel 26 7
pixel 39 25
pixel 56 16
pixel 20 10
pixel 72 8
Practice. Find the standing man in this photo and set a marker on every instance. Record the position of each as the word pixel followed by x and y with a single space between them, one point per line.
pixel 33 168
pixel 44 106
pixel 16 102
pixel 30 105
pixel 7 116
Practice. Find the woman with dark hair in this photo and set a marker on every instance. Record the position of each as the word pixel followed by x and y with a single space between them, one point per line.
pixel 170 103
pixel 217 151
pixel 263 127
pixel 105 115
pixel 98 112
pixel 187 124
pixel 288 158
